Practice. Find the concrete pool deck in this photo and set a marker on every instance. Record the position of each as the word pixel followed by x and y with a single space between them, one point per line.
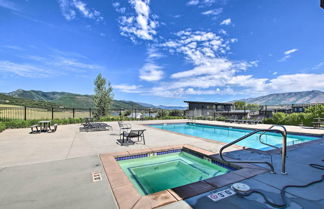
pixel 53 170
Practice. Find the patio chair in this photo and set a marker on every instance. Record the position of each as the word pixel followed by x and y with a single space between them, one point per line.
pixel 127 137
pixel 124 127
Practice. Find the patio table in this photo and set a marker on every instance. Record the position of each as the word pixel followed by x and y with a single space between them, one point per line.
pixel 44 125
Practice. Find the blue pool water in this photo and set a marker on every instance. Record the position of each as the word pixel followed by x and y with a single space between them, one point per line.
pixel 228 134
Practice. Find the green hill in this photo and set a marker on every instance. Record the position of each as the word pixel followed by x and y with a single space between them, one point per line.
pixel 5 99
pixel 65 99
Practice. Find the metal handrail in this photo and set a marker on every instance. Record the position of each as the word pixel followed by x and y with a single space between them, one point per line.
pixel 284 146
pixel 270 145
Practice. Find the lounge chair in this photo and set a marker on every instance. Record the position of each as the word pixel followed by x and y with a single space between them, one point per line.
pixel 91 126
pixel 127 137
pixel 124 127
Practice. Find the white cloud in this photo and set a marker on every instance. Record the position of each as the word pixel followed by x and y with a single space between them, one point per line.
pixel 239 84
pixel 71 64
pixel 70 8
pixel 227 21
pixel 201 3
pixel 153 53
pixel 287 54
pixel 197 46
pixel 290 51
pixel 193 2
pixel 151 72
pixel 9 5
pixel 58 63
pixel 296 82
pixel 141 24
pixel 128 88
pixel 213 11
pixel 23 69
pixel 119 8
pixel 13 47
pixel 318 66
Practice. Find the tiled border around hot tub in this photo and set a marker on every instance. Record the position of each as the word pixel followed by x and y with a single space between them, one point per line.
pixel 128 197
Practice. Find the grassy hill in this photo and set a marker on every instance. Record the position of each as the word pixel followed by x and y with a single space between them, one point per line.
pixel 303 97
pixel 64 99
pixel 12 101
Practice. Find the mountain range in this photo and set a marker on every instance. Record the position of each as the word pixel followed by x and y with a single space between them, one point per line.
pixel 70 100
pixel 58 99
pixel 302 97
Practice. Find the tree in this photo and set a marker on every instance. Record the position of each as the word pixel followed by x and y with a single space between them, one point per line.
pixel 239 105
pixel 176 113
pixel 317 111
pixel 103 96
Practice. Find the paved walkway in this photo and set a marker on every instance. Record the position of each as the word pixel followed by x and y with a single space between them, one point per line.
pixel 53 170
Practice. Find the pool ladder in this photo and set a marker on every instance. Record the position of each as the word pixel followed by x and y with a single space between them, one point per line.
pixel 283 132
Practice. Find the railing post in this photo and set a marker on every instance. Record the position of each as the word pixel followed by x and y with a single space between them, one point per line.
pixel 52 113
pixel 135 115
pixel 284 153
pixel 25 113
pixel 73 112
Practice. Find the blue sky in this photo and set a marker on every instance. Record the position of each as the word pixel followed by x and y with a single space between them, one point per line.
pixel 163 51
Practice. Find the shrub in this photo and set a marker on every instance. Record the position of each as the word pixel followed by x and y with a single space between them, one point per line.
pixel 296 119
pixel 2 126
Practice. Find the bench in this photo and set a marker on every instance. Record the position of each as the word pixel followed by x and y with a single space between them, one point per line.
pixel 34 129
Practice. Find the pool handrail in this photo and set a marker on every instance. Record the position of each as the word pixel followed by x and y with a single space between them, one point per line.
pixel 270 145
pixel 283 154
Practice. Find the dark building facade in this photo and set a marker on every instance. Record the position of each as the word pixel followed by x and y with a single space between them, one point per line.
pixel 216 106
pixel 214 109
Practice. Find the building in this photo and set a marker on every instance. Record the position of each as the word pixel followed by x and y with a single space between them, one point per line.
pixel 268 110
pixel 214 109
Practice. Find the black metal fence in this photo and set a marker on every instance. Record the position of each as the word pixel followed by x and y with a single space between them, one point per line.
pixel 30 113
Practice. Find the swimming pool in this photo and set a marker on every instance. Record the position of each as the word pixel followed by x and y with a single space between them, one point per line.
pixel 169 170
pixel 229 134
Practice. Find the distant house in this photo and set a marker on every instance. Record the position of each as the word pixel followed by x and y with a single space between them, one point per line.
pixel 214 109
pixel 137 115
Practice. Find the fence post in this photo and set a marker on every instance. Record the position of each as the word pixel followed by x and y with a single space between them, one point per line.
pixel 135 115
pixel 89 112
pixel 25 113
pixel 52 113
pixel 73 112
pixel 120 114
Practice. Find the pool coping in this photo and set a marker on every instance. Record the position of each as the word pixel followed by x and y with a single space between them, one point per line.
pixel 128 197
pixel 321 137
pixel 195 137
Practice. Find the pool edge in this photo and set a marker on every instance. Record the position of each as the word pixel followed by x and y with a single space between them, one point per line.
pixel 128 197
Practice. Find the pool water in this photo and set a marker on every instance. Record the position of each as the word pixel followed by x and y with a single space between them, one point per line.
pixel 229 134
pixel 161 172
